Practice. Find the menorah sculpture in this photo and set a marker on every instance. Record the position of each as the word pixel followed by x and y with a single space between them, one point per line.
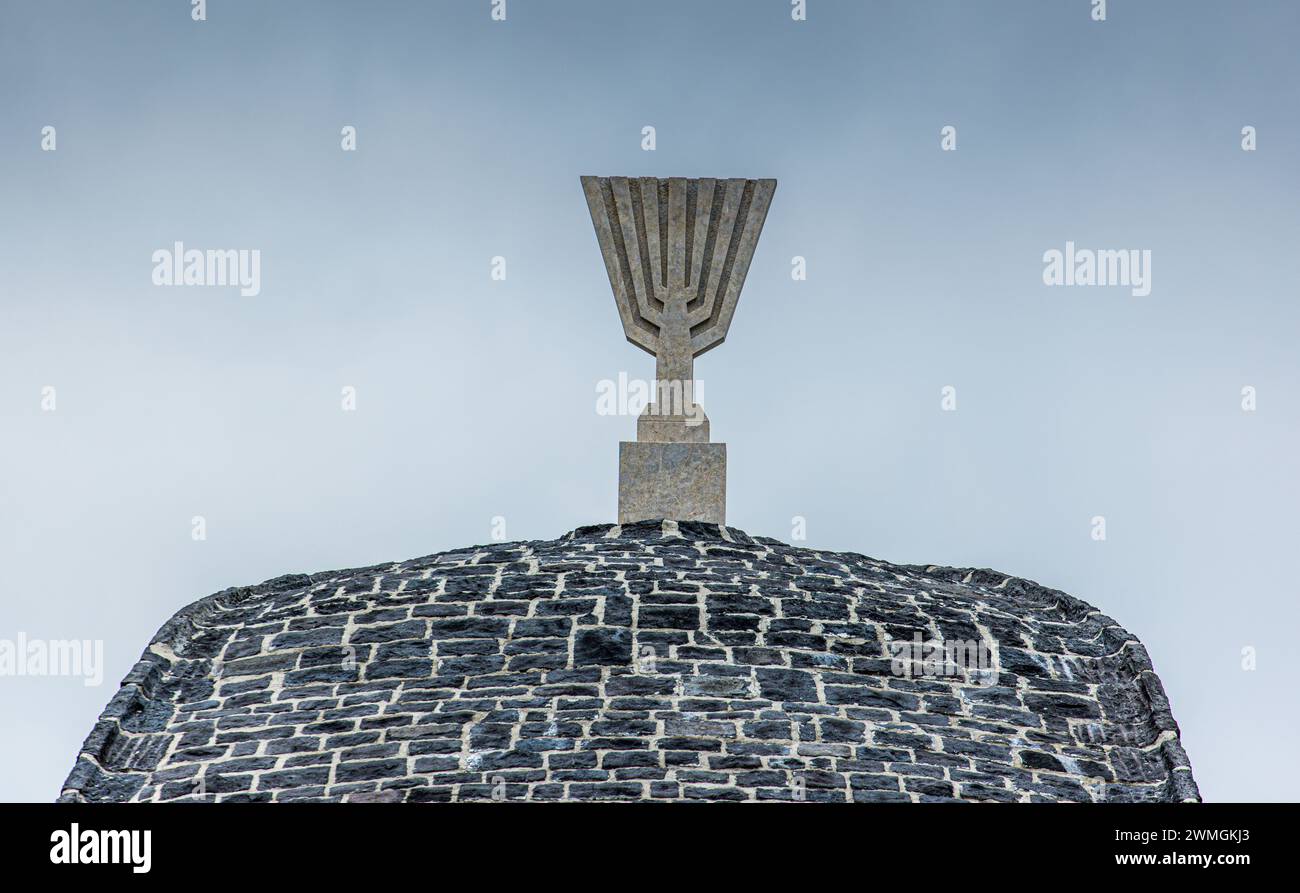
pixel 677 251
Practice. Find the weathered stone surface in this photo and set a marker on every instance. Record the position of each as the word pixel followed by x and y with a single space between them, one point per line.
pixel 608 647
pixel 652 427
pixel 687 481
pixel 658 660
pixel 677 251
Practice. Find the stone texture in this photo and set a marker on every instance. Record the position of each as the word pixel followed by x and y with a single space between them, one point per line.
pixel 687 481
pixel 651 661
pixel 677 251
pixel 654 427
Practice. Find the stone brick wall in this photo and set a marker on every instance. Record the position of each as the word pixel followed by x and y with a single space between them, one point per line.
pixel 658 661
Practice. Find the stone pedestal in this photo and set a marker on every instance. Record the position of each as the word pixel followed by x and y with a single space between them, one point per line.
pixel 681 481
pixel 650 426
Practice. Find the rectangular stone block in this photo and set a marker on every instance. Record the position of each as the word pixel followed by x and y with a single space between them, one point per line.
pixel 680 481
pixel 654 428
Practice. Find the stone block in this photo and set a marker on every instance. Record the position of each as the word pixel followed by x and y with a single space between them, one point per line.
pixel 680 481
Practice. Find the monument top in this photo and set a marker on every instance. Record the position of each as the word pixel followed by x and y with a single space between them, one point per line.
pixel 677 251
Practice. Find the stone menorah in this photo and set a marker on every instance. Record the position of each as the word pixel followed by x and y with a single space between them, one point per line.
pixel 677 251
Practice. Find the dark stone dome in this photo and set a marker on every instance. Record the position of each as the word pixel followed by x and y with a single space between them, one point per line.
pixel 653 661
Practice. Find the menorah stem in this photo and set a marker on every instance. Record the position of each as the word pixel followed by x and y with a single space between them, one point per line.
pixel 674 362
pixel 673 415
pixel 669 371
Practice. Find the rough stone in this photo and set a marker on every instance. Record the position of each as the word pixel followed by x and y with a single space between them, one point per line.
pixel 687 481
pixel 609 665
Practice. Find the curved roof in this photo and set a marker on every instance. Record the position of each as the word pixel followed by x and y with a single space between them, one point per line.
pixel 659 660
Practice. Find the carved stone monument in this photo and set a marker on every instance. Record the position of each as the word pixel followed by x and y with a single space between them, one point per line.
pixel 677 251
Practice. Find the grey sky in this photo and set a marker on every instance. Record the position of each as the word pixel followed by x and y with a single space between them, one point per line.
pixel 476 398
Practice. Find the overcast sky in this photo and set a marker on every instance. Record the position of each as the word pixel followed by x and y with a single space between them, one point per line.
pixel 475 398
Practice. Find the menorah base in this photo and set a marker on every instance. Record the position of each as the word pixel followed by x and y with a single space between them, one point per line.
pixel 680 481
